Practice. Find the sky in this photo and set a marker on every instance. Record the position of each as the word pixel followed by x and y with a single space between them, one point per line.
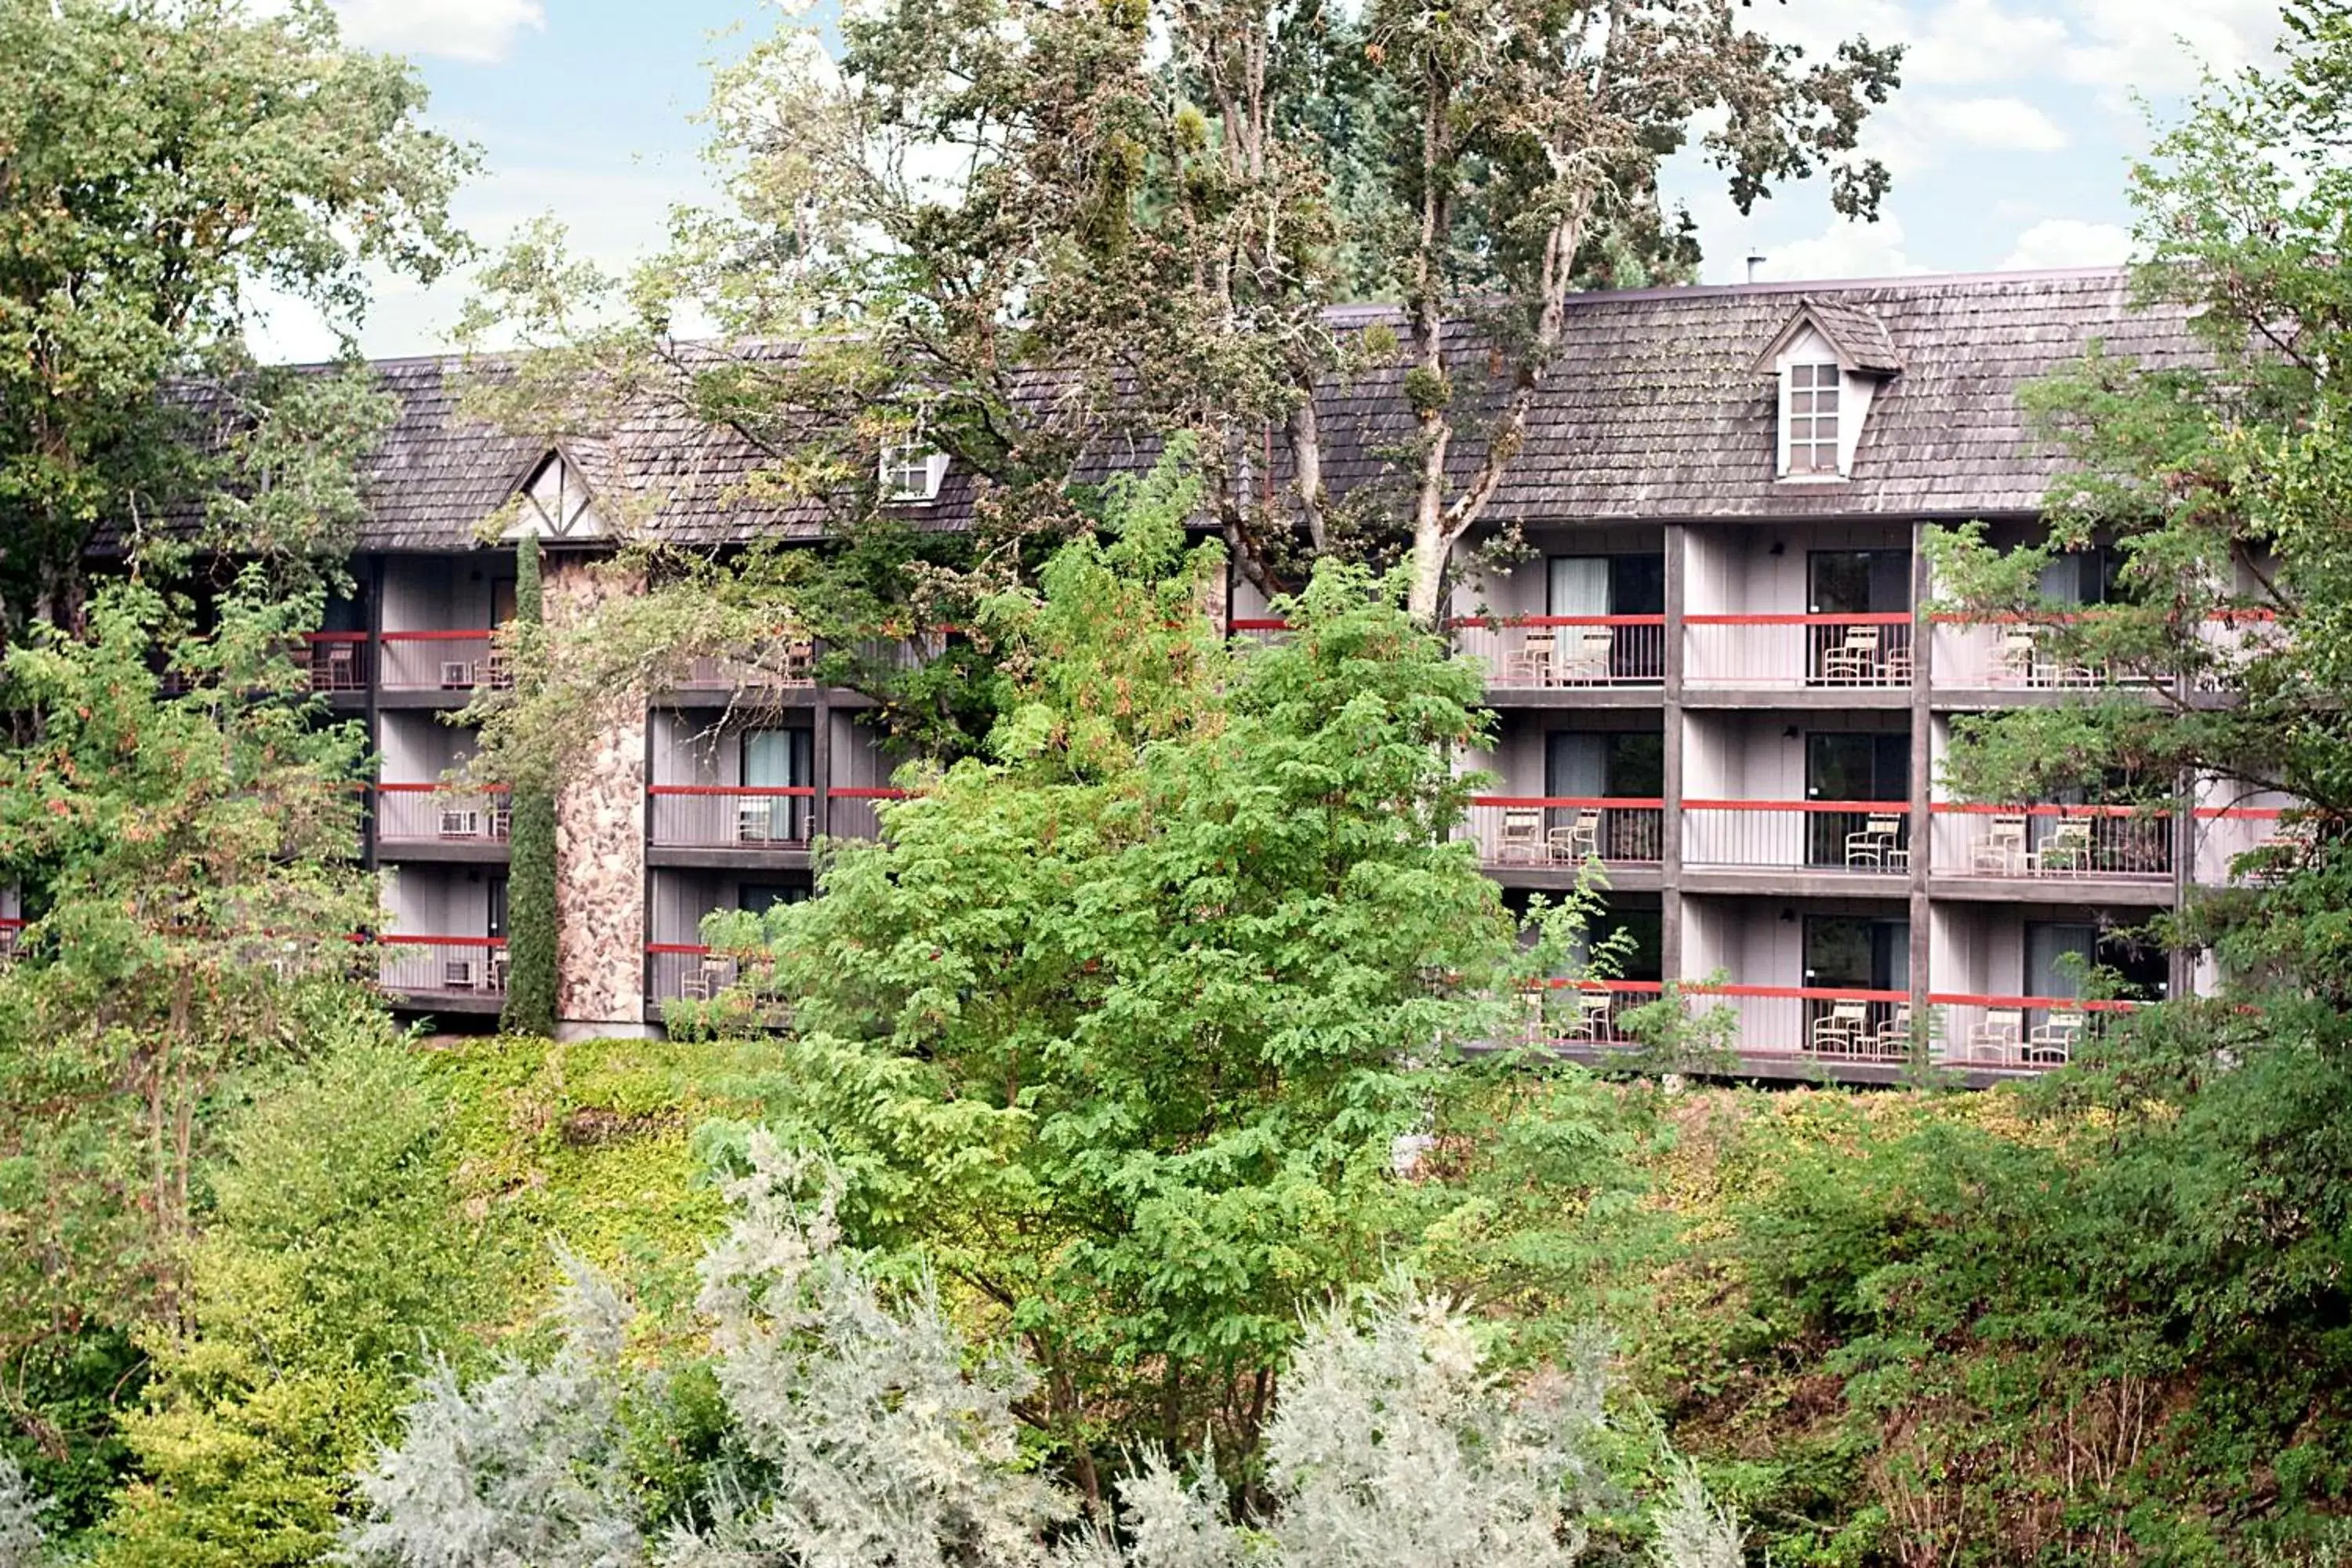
pixel 2009 141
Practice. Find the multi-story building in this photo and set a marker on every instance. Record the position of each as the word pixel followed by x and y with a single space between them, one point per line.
pixel 1716 667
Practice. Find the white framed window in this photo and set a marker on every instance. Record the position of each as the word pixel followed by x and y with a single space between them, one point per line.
pixel 911 471
pixel 1810 417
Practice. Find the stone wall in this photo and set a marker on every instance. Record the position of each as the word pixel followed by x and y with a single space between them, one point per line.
pixel 600 837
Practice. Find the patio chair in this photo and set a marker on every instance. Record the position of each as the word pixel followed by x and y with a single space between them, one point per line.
pixel 2066 850
pixel 1996 1034
pixel 1578 841
pixel 753 820
pixel 1838 1032
pixel 334 666
pixel 1893 1037
pixel 1522 834
pixel 2052 1041
pixel 1584 657
pixel 2021 659
pixel 1855 661
pixel 1895 664
pixel 1593 1015
pixel 1536 663
pixel 2002 848
pixel 1875 846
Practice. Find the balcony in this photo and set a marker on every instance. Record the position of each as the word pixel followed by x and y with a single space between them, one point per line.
pixel 336 661
pixel 2224 833
pixel 854 812
pixel 468 974
pixel 449 661
pixel 1865 837
pixel 1587 1013
pixel 685 971
pixel 2016 1034
pixel 1563 832
pixel 1534 653
pixel 413 814
pixel 1849 652
pixel 716 816
pixel 2028 844
pixel 1827 1028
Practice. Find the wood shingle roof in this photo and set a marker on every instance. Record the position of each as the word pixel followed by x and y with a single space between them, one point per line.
pixel 1655 411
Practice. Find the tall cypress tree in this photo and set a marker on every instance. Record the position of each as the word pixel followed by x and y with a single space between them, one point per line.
pixel 531 871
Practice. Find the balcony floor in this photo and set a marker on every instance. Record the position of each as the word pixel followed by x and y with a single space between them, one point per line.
pixel 728 857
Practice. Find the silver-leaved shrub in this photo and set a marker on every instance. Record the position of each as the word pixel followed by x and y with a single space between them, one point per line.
pixel 860 1433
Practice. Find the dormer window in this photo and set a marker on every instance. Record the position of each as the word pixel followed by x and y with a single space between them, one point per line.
pixel 1810 418
pixel 912 472
pixel 1830 362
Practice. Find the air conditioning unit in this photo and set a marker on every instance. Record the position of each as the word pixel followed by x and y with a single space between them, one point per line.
pixel 457 674
pixel 459 824
pixel 458 975
pixel 501 823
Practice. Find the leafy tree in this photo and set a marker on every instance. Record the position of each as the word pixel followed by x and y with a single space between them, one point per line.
pixel 850 1428
pixel 327 1261
pixel 2220 487
pixel 166 159
pixel 183 838
pixel 532 941
pixel 1033 237
pixel 1120 1029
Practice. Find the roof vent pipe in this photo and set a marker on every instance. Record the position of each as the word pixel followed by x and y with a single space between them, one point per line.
pixel 1754 261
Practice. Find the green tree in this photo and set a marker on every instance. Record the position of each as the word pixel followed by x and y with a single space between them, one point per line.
pixel 182 828
pixel 2221 487
pixel 329 1262
pixel 1029 236
pixel 166 159
pixel 1119 1028
pixel 532 941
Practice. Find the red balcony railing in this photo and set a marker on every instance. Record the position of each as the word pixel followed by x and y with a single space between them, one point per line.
pixel 2037 842
pixel 455 661
pixel 11 933
pixel 1818 835
pixel 853 811
pixel 429 814
pixel 1535 652
pixel 733 816
pixel 337 661
pixel 451 966
pixel 1259 629
pixel 1857 650
pixel 1587 1011
pixel 1566 830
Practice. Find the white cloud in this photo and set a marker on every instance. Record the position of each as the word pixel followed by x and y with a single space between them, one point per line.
pixel 2004 124
pixel 2069 242
pixel 1845 249
pixel 478 31
pixel 2133 46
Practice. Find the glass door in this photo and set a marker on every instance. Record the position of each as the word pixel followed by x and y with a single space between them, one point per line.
pixel 1870 767
pixel 1577 585
pixel 777 759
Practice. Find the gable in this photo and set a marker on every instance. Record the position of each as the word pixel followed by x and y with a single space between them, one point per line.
pixel 556 503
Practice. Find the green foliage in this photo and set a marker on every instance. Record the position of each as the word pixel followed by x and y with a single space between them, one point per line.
pixel 2222 489
pixel 531 916
pixel 165 158
pixel 182 828
pixel 327 1264
pixel 840 1425
pixel 1119 1029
